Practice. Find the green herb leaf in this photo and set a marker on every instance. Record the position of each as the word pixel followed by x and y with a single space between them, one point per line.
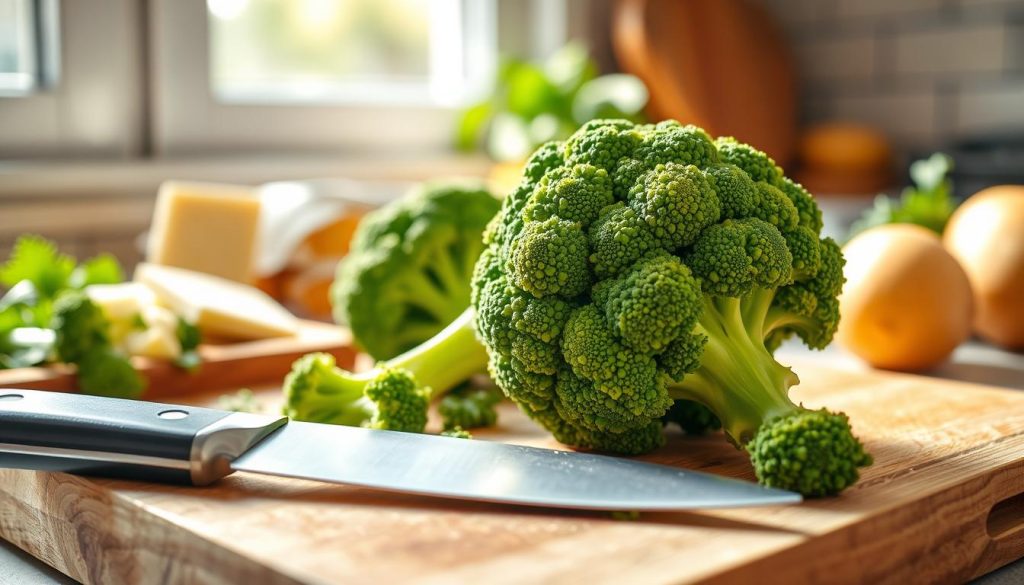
pixel 37 260
pixel 102 269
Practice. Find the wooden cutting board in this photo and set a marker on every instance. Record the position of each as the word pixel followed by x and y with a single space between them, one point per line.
pixel 225 366
pixel 943 503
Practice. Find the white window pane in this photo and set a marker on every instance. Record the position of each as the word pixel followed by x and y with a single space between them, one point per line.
pixel 366 51
pixel 17 47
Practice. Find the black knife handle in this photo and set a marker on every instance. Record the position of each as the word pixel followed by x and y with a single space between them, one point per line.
pixel 52 431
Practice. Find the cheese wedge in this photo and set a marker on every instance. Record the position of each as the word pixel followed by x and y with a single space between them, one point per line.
pixel 220 307
pixel 122 301
pixel 206 227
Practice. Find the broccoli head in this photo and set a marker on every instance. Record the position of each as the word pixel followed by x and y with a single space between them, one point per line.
pixel 642 274
pixel 82 337
pixel 103 371
pixel 79 326
pixel 604 318
pixel 407 274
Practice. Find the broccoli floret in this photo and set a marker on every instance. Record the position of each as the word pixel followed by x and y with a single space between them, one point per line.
pixel 408 272
pixel 79 325
pixel 457 433
pixel 387 398
pixel 82 338
pixel 469 408
pixel 105 372
pixel 663 306
pixel 395 395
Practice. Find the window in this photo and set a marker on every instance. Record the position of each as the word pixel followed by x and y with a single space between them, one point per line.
pixel 27 51
pixel 346 51
pixel 17 47
pixel 252 75
pixel 193 77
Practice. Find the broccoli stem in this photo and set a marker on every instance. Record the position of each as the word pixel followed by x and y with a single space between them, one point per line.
pixel 446 359
pixel 433 297
pixel 738 378
pixel 337 400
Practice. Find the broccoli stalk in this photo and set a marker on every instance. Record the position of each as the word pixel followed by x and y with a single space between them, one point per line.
pixel 811 451
pixel 394 395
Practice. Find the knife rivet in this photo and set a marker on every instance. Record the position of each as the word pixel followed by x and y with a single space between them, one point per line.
pixel 174 414
pixel 10 397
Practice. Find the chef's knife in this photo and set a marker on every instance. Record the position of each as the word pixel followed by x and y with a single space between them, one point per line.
pixel 185 444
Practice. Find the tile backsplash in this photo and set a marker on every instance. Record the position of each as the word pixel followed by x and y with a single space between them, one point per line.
pixel 927 72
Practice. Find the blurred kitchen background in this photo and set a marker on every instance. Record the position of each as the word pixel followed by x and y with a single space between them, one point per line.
pixel 102 100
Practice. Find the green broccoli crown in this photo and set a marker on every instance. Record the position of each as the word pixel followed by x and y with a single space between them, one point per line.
pixel 409 269
pixel 79 325
pixel 387 398
pixel 102 371
pixel 637 267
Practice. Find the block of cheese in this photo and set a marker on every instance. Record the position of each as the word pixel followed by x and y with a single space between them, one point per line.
pixel 206 227
pixel 220 307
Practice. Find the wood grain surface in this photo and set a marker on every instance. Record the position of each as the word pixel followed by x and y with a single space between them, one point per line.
pixel 943 503
pixel 225 366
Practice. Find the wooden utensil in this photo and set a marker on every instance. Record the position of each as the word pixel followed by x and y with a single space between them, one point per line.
pixel 721 65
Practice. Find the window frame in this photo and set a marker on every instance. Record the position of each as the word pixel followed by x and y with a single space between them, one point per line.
pixel 89 98
pixel 188 118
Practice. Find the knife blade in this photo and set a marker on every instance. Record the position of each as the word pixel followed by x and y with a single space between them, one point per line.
pixel 185 444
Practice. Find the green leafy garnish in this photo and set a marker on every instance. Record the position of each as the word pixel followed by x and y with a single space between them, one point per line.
pixel 37 260
pixel 928 203
pixel 189 337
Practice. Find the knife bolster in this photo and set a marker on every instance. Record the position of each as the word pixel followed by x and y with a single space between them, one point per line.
pixel 92 435
pixel 215 446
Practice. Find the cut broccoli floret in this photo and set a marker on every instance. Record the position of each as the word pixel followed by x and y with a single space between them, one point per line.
pixel 393 396
pixel 388 398
pixel 105 372
pixel 469 408
pixel 80 327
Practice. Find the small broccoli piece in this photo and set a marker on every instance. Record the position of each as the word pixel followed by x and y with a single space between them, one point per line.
pixel 394 395
pixel 80 327
pixel 693 417
pixel 103 371
pixel 387 398
pixel 241 401
pixel 457 433
pixel 469 408
pixel 409 269
pixel 81 333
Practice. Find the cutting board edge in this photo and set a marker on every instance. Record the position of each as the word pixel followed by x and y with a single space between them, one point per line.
pixel 36 535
